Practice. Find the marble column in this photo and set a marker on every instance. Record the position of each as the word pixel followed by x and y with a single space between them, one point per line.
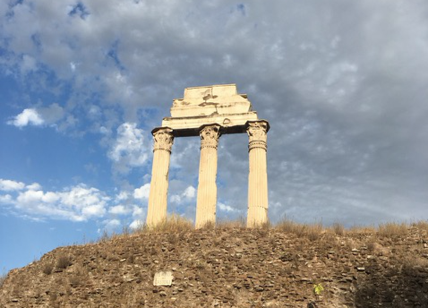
pixel 207 187
pixel 157 208
pixel 257 179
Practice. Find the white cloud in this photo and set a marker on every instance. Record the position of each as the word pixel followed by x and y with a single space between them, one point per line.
pixel 226 208
pixel 142 192
pixel 190 192
pixel 138 215
pixel 138 212
pixel 111 225
pixel 39 116
pixel 123 195
pixel 129 149
pixel 136 224
pixel 27 117
pixel 119 210
pixel 187 195
pixel 78 203
pixel 6 199
pixel 9 185
pixel 34 186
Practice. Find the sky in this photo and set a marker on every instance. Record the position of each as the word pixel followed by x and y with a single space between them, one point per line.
pixel 82 84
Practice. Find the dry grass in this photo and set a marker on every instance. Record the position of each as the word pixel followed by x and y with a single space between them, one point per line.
pixel 2 279
pixel 231 224
pixel 367 230
pixel 311 231
pixel 173 223
pixel 63 262
pixel 393 230
pixel 421 225
pixel 338 229
pixel 47 268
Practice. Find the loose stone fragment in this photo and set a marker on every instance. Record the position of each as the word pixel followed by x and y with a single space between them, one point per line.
pixel 163 279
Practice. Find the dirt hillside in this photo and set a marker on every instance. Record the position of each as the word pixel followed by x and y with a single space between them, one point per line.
pixel 284 266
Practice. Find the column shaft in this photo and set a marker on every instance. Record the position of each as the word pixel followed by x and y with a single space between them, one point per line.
pixel 257 178
pixel 207 187
pixel 158 197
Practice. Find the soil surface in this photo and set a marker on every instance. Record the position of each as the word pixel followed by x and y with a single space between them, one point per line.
pixel 229 267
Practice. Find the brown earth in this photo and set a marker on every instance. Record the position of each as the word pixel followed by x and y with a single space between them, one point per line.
pixel 232 267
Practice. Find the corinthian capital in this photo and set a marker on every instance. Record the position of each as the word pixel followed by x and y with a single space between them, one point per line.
pixel 163 138
pixel 257 133
pixel 209 136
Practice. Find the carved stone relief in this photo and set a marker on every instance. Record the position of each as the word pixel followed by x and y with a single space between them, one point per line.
pixel 210 135
pixel 163 139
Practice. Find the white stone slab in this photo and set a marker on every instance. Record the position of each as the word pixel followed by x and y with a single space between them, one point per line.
pixel 209 100
pixel 163 279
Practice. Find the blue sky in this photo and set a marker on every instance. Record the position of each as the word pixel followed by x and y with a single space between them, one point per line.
pixel 82 83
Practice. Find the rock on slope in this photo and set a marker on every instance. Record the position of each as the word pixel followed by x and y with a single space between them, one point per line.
pixel 229 267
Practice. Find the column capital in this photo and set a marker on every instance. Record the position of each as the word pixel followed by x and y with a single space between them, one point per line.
pixel 257 133
pixel 163 138
pixel 209 135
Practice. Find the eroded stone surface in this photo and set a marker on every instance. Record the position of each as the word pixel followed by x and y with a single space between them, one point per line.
pixel 217 104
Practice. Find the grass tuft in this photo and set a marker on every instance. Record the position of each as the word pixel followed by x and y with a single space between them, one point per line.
pixel 393 230
pixel 63 262
pixel 310 231
pixel 47 268
pixel 2 279
pixel 173 223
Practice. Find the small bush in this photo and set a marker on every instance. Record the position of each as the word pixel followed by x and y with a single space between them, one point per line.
pixel 47 268
pixel 63 262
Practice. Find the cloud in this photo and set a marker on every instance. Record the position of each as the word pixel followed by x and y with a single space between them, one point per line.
pixel 190 192
pixel 38 116
pixel 34 186
pixel 136 224
pixel 27 117
pixel 119 210
pixel 226 208
pixel 77 203
pixel 129 149
pixel 52 114
pixel 8 185
pixel 187 195
pixel 142 192
pixel 138 215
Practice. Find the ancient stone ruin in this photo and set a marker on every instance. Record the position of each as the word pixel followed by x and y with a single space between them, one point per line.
pixel 209 112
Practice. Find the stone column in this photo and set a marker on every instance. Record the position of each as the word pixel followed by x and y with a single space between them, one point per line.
pixel 207 187
pixel 159 185
pixel 257 179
